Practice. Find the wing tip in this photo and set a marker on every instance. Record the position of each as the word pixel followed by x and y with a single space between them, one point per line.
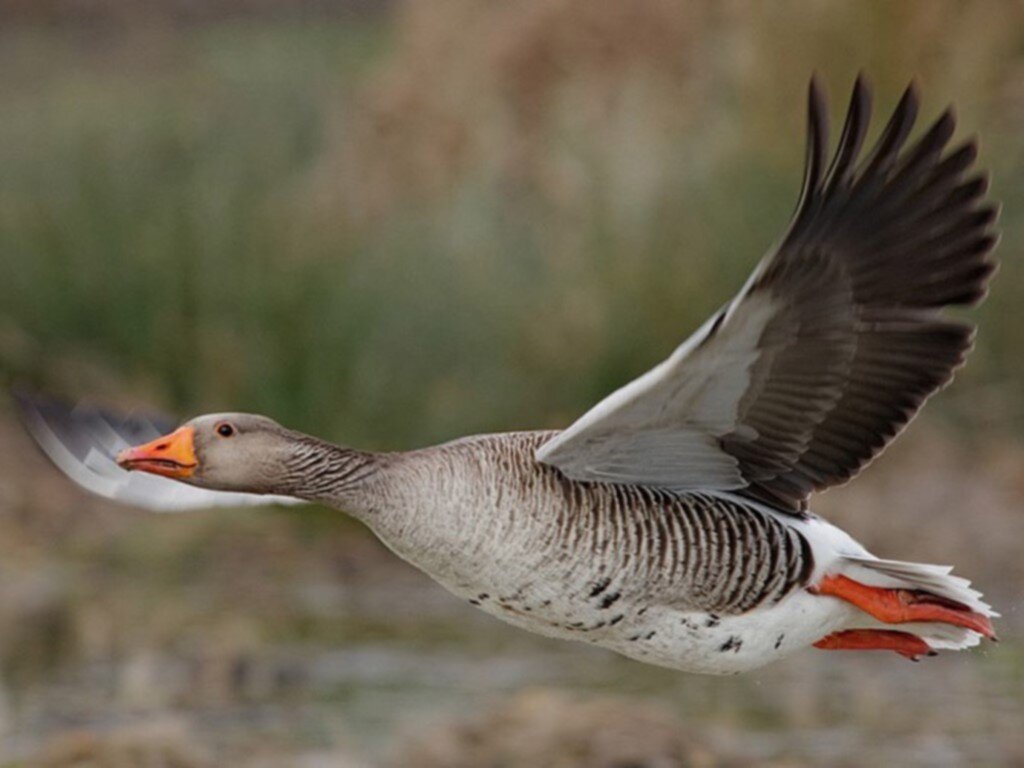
pixel 817 144
pixel 26 400
pixel 855 126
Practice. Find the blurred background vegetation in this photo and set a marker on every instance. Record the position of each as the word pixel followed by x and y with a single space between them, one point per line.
pixel 396 223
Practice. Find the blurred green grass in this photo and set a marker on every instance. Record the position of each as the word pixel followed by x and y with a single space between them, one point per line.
pixel 162 218
pixel 138 208
pixel 472 217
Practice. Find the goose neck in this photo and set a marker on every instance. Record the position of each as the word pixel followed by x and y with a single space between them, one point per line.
pixel 330 474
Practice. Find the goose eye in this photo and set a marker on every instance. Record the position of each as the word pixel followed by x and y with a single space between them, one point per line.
pixel 225 430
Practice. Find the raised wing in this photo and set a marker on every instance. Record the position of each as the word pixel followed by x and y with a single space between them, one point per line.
pixel 834 343
pixel 83 441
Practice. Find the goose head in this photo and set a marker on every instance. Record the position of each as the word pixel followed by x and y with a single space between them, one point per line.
pixel 221 451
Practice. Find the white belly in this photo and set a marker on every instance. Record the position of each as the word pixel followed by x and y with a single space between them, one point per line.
pixel 700 642
pixel 688 641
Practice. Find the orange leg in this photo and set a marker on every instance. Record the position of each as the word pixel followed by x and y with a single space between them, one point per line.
pixel 905 644
pixel 898 606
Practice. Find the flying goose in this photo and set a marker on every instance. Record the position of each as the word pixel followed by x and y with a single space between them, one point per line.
pixel 670 523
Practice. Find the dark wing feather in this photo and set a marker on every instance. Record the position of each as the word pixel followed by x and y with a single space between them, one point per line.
pixel 836 340
pixel 895 239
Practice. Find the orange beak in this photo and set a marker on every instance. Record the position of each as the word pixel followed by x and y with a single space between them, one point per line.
pixel 172 455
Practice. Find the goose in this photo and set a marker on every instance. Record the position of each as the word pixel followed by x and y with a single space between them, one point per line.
pixel 670 523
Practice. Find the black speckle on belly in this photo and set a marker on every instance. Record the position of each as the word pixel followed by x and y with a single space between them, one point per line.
pixel 600 586
pixel 609 600
pixel 732 644
pixel 474 601
pixel 713 620
pixel 779 639
pixel 616 620
pixel 482 596
pixel 580 626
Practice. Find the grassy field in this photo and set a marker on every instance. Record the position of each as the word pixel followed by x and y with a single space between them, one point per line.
pixel 339 225
pixel 393 230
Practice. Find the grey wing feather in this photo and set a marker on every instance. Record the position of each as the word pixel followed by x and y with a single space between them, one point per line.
pixel 834 343
pixel 82 442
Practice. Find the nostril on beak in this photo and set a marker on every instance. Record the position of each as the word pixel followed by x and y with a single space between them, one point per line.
pixel 161 447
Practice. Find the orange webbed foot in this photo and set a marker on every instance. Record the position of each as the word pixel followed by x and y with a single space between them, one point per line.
pixel 899 606
pixel 905 644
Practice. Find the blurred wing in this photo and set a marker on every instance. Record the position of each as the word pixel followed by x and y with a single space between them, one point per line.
pixel 834 343
pixel 83 442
